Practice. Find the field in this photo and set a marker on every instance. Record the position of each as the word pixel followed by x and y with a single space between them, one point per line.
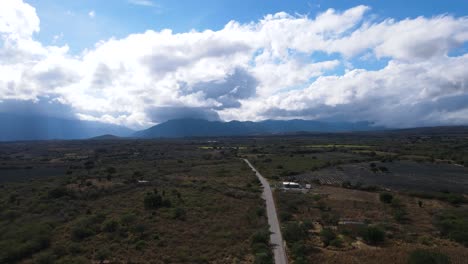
pixel 117 202
pixel 375 197
pixel 399 175
pixel 343 218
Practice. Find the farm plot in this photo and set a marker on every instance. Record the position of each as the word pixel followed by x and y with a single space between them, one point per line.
pixel 399 175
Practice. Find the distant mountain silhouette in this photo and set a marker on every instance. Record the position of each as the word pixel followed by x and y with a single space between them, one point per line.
pixel 29 127
pixel 106 137
pixel 200 128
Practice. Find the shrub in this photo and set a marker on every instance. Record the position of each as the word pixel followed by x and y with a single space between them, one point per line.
pixel 103 254
pixel 179 213
pixel 140 245
pixel 293 232
pixel 110 226
pixel 298 250
pixel 27 241
pixel 127 219
pixel 327 235
pixel 454 225
pixel 386 197
pixel 58 193
pixel 155 201
pixel 373 235
pixel 400 215
pixel 81 232
pixel 44 258
pixel 261 236
pixel 337 242
pixel 421 256
pixel 263 258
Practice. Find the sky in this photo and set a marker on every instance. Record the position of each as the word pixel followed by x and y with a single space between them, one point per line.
pixel 138 63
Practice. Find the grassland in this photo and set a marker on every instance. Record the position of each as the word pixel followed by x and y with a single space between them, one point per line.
pixel 134 202
pixel 194 201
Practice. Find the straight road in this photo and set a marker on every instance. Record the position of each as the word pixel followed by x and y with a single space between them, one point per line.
pixel 275 237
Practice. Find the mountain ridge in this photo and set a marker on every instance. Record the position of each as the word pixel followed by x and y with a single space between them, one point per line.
pixel 188 127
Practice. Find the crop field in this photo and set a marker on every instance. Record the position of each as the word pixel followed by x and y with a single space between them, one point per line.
pixel 374 199
pixel 399 175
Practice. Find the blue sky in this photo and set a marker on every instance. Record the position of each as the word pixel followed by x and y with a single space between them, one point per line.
pixel 394 63
pixel 123 17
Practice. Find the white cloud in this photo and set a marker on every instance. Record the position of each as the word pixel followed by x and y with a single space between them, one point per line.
pixel 263 69
pixel 92 14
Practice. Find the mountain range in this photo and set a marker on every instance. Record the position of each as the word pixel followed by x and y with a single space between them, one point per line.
pixel 199 128
pixel 30 127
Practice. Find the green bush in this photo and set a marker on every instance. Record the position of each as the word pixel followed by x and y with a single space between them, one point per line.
pixel 179 213
pixel 44 258
pixel 103 254
pixel 373 235
pixel 294 232
pixel 421 256
pixel 81 232
pixel 263 258
pixel 140 245
pixel 155 201
pixel 386 197
pixel 261 236
pixel 337 242
pixel 453 224
pixel 27 241
pixel 87 226
pixel 327 235
pixel 110 226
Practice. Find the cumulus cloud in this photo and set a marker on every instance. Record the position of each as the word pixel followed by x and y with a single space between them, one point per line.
pixel 258 70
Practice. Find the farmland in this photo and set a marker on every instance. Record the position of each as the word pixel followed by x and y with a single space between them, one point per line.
pixel 385 199
pixel 374 197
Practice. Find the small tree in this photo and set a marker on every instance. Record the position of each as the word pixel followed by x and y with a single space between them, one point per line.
pixel 327 235
pixel 386 197
pixel 373 235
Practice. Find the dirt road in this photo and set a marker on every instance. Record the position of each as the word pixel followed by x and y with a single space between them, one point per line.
pixel 275 238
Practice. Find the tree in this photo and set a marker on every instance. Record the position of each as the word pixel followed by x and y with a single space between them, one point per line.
pixel 386 197
pixel 373 235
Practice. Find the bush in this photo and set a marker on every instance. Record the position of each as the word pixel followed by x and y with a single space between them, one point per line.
pixel 298 250
pixel 453 224
pixel 263 258
pixel 81 232
pixel 386 197
pixel 27 241
pixel 58 193
pixel 261 236
pixel 44 258
pixel 337 242
pixel 87 227
pixel 155 201
pixel 373 235
pixel 327 235
pixel 103 254
pixel 179 213
pixel 140 245
pixel 421 256
pixel 261 247
pixel 110 226
pixel 294 232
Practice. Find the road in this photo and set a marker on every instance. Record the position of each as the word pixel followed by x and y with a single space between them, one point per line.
pixel 276 239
